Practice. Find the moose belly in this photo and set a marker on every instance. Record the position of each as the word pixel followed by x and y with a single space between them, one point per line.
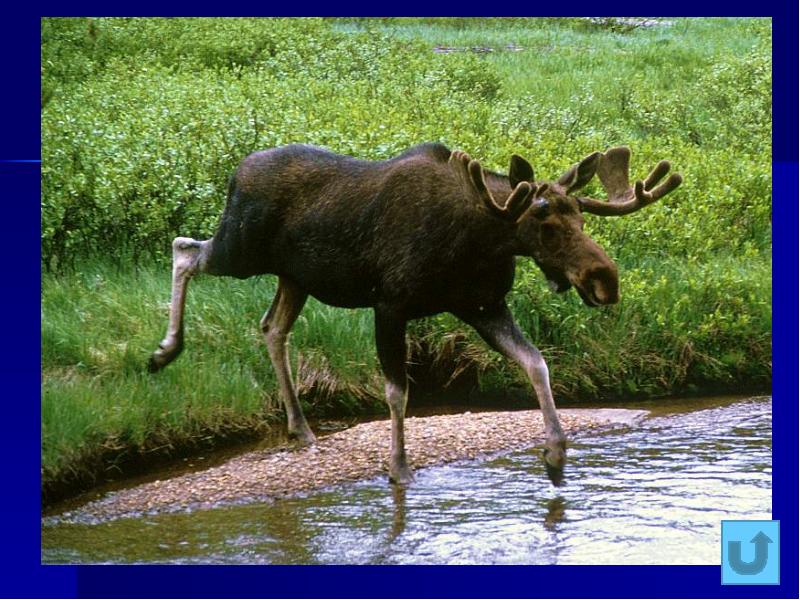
pixel 336 286
pixel 461 291
pixel 413 293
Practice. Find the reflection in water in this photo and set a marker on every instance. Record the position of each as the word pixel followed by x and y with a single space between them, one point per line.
pixel 652 494
pixel 399 501
pixel 555 513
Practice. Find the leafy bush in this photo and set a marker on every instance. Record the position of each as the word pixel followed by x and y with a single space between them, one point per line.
pixel 151 116
pixel 142 150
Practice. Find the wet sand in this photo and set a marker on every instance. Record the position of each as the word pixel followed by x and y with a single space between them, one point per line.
pixel 360 452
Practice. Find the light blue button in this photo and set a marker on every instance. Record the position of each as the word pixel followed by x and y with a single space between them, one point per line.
pixel 751 552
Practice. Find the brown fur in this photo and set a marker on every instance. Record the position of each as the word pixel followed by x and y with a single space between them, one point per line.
pixel 426 232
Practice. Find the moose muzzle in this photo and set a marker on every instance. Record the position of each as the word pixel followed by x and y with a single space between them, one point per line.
pixel 599 286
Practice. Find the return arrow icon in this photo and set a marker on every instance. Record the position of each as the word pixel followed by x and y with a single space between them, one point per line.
pixel 755 566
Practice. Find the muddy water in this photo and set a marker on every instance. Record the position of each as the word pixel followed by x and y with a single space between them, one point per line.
pixel 654 493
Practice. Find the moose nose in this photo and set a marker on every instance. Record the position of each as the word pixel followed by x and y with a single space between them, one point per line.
pixel 604 285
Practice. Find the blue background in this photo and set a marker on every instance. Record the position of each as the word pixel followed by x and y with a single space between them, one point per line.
pixel 23 576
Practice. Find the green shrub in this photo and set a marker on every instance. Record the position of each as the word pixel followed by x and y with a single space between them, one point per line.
pixel 142 151
pixel 156 113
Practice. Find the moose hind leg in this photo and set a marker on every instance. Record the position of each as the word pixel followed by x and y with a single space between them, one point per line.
pixel 189 257
pixel 501 332
pixel 275 325
pixel 390 339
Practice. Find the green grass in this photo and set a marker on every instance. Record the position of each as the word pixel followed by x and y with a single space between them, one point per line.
pixel 144 120
pixel 100 324
pixel 678 329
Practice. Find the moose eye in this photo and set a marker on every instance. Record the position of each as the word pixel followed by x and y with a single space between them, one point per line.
pixel 540 209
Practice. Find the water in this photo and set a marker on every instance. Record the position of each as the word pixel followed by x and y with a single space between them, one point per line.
pixel 654 494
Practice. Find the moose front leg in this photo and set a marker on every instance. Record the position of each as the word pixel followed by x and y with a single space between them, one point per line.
pixel 390 339
pixel 501 332
pixel 189 257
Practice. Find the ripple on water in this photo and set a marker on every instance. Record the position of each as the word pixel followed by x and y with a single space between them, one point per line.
pixel 652 494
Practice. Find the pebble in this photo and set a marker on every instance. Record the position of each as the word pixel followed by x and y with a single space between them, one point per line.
pixel 359 452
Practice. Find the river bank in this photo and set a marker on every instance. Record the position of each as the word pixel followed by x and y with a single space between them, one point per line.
pixel 651 493
pixel 356 453
pixel 117 466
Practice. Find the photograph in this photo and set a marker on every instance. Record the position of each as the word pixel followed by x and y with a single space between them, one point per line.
pixel 408 291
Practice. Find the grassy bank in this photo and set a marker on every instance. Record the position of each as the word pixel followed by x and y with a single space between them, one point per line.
pixel 143 121
pixel 678 329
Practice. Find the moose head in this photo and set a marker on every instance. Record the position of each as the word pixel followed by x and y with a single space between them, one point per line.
pixel 548 216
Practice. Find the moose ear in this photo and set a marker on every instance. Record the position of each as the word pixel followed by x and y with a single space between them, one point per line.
pixel 520 170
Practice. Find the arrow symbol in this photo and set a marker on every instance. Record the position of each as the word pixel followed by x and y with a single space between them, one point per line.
pixel 759 561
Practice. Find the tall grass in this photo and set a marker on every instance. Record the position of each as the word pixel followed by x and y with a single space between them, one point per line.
pixel 144 119
pixel 677 329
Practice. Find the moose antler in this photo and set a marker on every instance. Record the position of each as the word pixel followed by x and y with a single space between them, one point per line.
pixel 612 170
pixel 471 175
pixel 580 173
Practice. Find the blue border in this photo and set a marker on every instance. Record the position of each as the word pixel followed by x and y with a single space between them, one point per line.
pixel 23 576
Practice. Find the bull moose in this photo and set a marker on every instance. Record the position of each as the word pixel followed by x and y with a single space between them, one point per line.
pixel 429 231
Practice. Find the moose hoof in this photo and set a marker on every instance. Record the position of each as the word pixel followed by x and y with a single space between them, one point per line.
pixel 152 365
pixel 158 360
pixel 303 437
pixel 555 457
pixel 401 476
pixel 163 356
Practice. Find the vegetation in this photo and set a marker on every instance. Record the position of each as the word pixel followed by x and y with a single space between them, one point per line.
pixel 143 121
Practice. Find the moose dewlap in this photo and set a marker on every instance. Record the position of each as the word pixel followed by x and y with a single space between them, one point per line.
pixel 429 231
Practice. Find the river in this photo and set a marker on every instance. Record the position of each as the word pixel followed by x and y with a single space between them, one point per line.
pixel 651 494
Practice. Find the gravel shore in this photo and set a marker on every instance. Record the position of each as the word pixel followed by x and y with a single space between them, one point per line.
pixel 359 452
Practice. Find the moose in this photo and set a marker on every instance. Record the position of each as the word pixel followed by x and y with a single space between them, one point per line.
pixel 426 232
